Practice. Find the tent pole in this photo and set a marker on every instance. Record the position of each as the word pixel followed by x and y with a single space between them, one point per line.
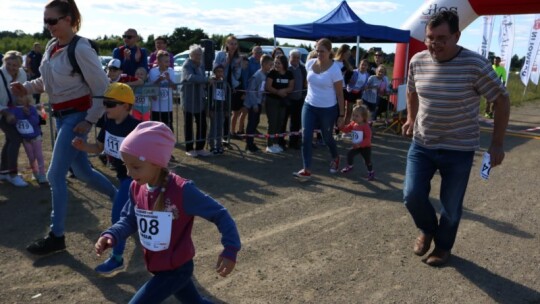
pixel 406 66
pixel 357 50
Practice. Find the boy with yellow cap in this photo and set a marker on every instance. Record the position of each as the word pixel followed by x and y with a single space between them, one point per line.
pixel 117 123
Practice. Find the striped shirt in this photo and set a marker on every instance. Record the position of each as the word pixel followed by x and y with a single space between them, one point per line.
pixel 449 99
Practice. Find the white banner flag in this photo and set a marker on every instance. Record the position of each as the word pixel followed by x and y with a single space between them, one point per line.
pixel 535 72
pixel 532 49
pixel 506 42
pixel 486 37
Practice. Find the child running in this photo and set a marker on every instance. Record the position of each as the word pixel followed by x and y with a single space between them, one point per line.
pixel 361 139
pixel 27 123
pixel 161 208
pixel 116 125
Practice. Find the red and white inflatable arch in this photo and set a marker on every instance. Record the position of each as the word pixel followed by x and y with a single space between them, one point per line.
pixel 468 11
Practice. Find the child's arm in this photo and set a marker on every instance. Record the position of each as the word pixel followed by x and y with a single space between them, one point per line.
pixel 348 128
pixel 80 144
pixel 200 204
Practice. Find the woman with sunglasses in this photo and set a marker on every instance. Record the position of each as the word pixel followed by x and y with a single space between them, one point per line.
pixel 70 96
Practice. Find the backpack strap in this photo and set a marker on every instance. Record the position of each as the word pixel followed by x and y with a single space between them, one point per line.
pixel 71 56
pixel 10 101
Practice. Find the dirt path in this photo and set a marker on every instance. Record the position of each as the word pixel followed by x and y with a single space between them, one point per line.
pixel 337 239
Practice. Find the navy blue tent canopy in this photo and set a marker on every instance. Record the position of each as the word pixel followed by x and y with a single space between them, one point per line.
pixel 342 25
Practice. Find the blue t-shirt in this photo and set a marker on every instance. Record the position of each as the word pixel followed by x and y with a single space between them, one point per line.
pixel 112 135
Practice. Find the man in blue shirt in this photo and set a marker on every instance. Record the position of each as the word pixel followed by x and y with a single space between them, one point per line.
pixel 130 54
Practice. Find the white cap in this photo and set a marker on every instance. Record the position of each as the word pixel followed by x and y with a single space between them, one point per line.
pixel 115 63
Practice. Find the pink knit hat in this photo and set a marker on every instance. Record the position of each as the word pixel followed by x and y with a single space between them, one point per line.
pixel 151 141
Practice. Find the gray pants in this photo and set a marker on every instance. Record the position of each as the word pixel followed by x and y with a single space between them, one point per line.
pixel 10 150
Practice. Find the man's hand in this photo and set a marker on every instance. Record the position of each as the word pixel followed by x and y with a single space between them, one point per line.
pixel 496 154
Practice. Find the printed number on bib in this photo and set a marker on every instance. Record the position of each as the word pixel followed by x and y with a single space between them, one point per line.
pixel 154 229
pixel 112 145
pixel 24 127
pixel 220 95
pixel 357 137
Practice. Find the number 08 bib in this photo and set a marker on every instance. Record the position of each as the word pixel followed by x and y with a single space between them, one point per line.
pixel 154 229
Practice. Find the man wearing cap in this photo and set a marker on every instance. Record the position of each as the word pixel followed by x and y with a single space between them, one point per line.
pixel 32 62
pixel 130 54
pixel 117 123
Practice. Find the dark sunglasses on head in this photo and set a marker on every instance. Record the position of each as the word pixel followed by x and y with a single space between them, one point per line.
pixel 53 21
pixel 127 36
pixel 113 69
pixel 110 103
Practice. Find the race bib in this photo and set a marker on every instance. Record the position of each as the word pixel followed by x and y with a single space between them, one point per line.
pixel 142 101
pixel 24 127
pixel 164 93
pixel 112 145
pixel 220 95
pixel 357 137
pixel 154 229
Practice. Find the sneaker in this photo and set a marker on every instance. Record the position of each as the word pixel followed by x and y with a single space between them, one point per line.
pixel 4 177
pixel 220 151
pixel 347 169
pixel 110 267
pixel 17 181
pixel 371 176
pixel 272 149
pixel 40 178
pixel 277 148
pixel 47 245
pixel 334 165
pixel 191 153
pixel 302 175
pixel 203 153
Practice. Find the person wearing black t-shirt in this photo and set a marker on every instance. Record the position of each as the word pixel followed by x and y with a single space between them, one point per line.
pixel 279 83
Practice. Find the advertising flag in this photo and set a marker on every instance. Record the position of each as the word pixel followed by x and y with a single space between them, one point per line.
pixel 506 42
pixel 532 50
pixel 486 36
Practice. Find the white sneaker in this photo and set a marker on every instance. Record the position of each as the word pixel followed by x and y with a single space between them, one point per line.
pixel 272 150
pixel 204 153
pixel 192 153
pixel 17 181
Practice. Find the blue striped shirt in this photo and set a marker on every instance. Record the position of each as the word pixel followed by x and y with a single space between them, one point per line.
pixel 449 99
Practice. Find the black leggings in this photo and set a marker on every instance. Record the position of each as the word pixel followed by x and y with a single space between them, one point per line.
pixel 366 155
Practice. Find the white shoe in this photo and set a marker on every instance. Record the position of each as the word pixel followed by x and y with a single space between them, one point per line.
pixel 204 153
pixel 17 181
pixel 272 150
pixel 192 153
pixel 278 148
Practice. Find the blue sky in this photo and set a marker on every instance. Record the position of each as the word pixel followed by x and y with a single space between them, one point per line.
pixel 105 17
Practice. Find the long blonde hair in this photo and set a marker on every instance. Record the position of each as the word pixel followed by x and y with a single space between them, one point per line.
pixel 163 182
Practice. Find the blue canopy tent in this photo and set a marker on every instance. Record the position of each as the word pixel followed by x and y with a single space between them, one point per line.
pixel 342 25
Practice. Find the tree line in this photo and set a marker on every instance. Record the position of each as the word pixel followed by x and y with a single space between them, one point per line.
pixel 179 40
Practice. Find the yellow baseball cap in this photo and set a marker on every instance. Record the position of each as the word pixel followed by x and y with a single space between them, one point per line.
pixel 119 92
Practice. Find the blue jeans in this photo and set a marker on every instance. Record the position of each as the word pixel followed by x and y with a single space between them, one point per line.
pixel 64 156
pixel 175 282
pixel 325 118
pixel 119 202
pixel 454 168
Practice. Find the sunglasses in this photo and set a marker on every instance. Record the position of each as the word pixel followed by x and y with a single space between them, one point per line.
pixel 53 21
pixel 109 103
pixel 127 36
